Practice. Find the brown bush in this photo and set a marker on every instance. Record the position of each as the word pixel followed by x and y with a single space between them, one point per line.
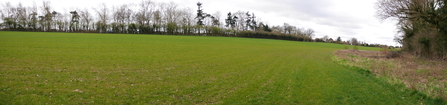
pixel 392 54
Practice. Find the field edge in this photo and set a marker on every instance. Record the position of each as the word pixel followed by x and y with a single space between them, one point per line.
pixel 383 79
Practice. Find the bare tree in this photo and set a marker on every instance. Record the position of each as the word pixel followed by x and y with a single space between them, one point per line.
pixel 128 12
pixel 170 10
pixel 216 18
pixel 309 33
pixel 33 17
pixel 187 20
pixel 171 17
pixel 22 17
pixel 422 23
pixel 354 42
pixel 144 16
pixel 2 15
pixel 298 31
pixel 59 22
pixel 325 38
pixel 288 28
pixel 277 29
pixel 157 21
pixel 9 16
pixel 47 16
pixel 409 9
pixel 86 19
pixel 241 19
pixel 103 16
pixel 121 17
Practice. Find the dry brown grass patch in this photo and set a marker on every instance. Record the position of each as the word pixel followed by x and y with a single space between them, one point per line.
pixel 424 75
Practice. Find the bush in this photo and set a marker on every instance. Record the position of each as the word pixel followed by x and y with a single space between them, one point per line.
pixel 392 54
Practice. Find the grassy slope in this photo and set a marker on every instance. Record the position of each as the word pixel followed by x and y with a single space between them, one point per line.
pixel 112 68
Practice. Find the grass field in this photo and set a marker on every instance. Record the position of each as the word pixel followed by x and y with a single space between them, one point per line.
pixel 76 68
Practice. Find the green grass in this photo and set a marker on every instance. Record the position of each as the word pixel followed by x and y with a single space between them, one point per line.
pixel 75 68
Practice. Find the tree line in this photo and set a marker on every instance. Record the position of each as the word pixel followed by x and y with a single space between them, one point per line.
pixel 422 24
pixel 145 17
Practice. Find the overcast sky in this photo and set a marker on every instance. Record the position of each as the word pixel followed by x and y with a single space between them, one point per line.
pixel 335 18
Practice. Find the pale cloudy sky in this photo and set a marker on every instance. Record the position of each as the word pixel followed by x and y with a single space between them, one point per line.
pixel 335 18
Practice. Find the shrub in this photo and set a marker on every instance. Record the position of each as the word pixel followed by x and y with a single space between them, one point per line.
pixel 392 54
